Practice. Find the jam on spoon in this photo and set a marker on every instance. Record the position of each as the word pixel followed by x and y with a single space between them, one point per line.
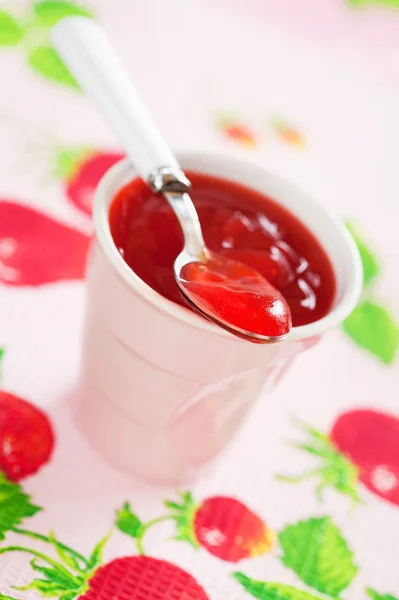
pixel 237 295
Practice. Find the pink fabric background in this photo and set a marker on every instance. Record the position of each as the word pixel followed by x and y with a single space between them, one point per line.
pixel 371 33
pixel 334 75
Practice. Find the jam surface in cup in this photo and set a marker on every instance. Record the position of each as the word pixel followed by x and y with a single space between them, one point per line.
pixel 238 223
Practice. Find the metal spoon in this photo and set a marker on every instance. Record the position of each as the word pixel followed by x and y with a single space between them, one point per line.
pixel 86 51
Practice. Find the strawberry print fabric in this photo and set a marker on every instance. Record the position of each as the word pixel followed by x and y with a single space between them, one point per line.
pixel 305 503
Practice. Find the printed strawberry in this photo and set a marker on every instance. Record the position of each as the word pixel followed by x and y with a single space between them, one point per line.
pixel 237 131
pixel 26 437
pixel 81 169
pixel 35 249
pixel 362 446
pixel 127 578
pixel 224 526
pixel 143 578
pixel 230 530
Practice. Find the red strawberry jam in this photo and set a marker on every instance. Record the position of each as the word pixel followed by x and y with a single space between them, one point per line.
pixel 237 222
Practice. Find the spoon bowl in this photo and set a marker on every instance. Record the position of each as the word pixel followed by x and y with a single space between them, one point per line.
pixel 220 289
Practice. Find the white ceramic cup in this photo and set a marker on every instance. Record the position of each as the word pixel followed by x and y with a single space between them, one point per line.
pixel 164 390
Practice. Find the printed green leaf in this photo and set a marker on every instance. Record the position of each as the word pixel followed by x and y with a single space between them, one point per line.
pixel 45 61
pixel 127 521
pixel 56 580
pixel 372 328
pixel 15 506
pixel 3 597
pixel 333 469
pixel 64 554
pixel 391 3
pixel 48 589
pixel 172 505
pixel 375 596
pixel 11 32
pixel 265 590
pixel 370 264
pixel 316 551
pixel 68 161
pixel 96 557
pixel 48 13
pixel 183 515
pixel 56 576
pixel 1 358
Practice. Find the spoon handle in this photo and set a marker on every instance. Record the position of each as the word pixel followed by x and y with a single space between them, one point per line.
pixel 87 52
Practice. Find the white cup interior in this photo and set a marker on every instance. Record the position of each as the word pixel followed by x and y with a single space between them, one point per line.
pixel 328 229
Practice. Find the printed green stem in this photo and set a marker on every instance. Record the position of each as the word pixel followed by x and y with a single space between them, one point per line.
pixel 42 557
pixel 46 539
pixel 1 357
pixel 299 478
pixel 181 514
pixel 335 470
pixel 145 527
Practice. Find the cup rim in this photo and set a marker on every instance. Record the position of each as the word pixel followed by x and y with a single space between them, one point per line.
pixel 123 171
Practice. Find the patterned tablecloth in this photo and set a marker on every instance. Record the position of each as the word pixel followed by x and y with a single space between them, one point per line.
pixel 305 504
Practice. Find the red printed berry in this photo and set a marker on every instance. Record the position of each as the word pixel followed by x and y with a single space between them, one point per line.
pixel 82 170
pixel 35 249
pixel 369 439
pixel 230 530
pixel 142 578
pixel 363 445
pixel 238 132
pixel 224 526
pixel 72 575
pixel 26 437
